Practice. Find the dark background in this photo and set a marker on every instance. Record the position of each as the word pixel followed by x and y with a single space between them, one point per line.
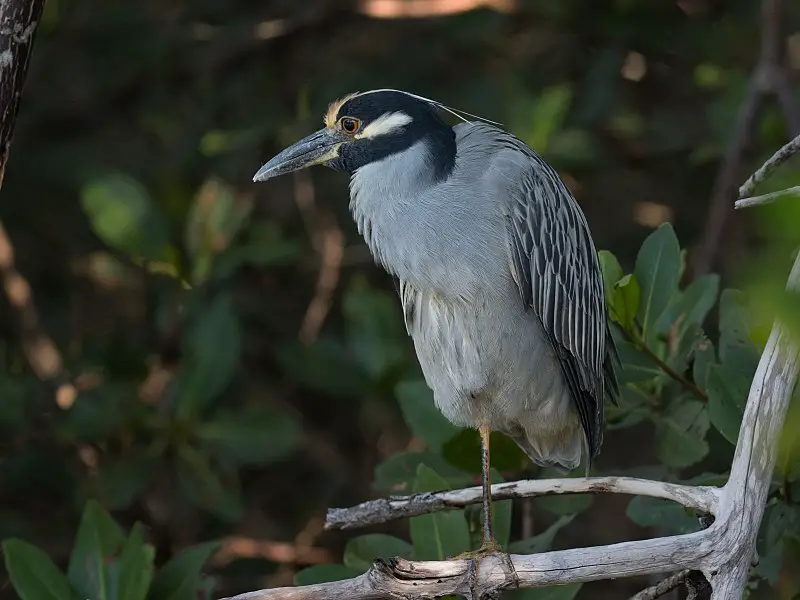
pixel 173 105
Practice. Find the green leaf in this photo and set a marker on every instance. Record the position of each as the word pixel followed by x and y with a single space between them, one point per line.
pixel 691 306
pixel 704 357
pixel 123 215
pixel 135 567
pixel 362 551
pixel 204 486
pixel 422 415
pixel 736 350
pixel 397 473
pixel 543 541
pixel 653 512
pixel 560 592
pixel 180 578
pixel 612 273
pixel 636 365
pixel 99 538
pixel 548 115
pixel 211 356
pixel 375 334
pixel 257 435
pixel 727 396
pixel 626 299
pixel 324 574
pixel 657 270
pixel 681 432
pixel 33 574
pixel 438 535
pixel 788 461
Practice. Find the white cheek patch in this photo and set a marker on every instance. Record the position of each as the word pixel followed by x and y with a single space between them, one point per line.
pixel 384 124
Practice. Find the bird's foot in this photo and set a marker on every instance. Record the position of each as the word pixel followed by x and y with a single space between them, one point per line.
pixel 488 548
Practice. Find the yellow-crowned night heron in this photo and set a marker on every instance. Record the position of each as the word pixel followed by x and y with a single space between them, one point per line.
pixel 496 269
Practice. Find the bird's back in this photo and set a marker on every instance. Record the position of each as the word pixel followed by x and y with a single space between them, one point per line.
pixel 489 357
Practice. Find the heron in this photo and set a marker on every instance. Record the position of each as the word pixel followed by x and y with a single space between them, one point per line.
pixel 494 263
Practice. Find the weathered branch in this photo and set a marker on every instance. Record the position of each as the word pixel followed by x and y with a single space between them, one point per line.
pixel 776 160
pixel 701 498
pixel 768 198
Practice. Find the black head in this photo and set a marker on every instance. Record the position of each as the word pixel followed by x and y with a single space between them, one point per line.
pixel 366 127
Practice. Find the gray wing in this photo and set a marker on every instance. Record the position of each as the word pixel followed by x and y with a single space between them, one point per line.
pixel 554 263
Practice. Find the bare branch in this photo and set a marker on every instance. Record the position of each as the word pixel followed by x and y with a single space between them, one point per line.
pixel 777 159
pixel 703 499
pixel 767 198
pixel 662 587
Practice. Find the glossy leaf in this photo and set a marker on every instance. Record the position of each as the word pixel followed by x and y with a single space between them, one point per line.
pixel 180 578
pixel 362 551
pixel 422 415
pixel 438 535
pixel 657 270
pixel 33 574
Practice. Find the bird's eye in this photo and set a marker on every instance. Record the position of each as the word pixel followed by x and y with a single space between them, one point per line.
pixel 349 124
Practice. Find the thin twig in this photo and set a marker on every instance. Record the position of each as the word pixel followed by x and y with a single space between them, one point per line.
pixel 767 198
pixel 777 159
pixel 662 587
pixel 701 498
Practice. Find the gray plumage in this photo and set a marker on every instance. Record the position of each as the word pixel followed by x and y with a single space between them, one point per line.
pixel 501 289
pixel 498 276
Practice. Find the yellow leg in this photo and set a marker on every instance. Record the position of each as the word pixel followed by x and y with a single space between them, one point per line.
pixel 489 545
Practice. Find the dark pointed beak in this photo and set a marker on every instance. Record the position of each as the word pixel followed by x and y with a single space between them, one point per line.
pixel 319 147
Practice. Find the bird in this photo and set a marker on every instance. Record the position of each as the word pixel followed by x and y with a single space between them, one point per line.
pixel 495 267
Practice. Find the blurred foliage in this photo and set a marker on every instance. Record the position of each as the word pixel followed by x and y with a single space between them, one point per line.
pixel 175 289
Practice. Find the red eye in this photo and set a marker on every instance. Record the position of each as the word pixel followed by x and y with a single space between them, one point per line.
pixel 349 124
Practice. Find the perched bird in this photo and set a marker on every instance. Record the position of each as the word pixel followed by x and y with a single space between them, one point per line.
pixel 496 269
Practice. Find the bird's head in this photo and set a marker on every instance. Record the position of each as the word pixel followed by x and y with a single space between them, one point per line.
pixel 366 127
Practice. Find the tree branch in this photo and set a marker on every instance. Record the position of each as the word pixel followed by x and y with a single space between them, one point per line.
pixel 776 160
pixel 663 587
pixel 704 499
pixel 767 198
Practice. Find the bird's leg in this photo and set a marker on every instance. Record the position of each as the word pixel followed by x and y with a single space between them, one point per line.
pixel 489 545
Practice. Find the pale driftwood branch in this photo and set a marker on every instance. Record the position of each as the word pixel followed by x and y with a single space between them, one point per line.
pixel 776 160
pixel 723 552
pixel 768 198
pixel 701 498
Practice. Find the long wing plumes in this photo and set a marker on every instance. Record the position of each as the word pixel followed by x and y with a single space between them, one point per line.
pixel 554 263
